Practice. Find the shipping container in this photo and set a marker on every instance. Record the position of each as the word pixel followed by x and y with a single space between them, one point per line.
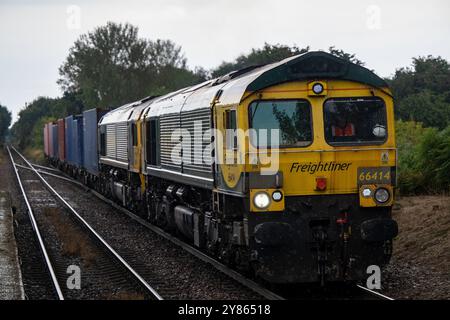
pixel 54 140
pixel 50 140
pixel 77 146
pixel 46 139
pixel 90 139
pixel 68 139
pixel 49 129
pixel 61 140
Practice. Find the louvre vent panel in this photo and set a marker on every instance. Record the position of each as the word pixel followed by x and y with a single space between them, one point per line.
pixel 117 141
pixel 168 124
pixel 122 142
pixel 111 141
pixel 197 122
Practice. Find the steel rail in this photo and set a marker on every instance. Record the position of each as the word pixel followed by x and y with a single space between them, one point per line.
pixel 46 168
pixel 197 253
pixel 37 232
pixel 84 222
pixel 53 175
pixel 379 295
pixel 202 256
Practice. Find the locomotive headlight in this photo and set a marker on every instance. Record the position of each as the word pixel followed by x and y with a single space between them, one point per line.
pixel 366 192
pixel 277 196
pixel 317 88
pixel 261 200
pixel 382 195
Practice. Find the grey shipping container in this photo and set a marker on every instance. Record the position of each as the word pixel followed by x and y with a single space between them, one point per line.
pixel 77 148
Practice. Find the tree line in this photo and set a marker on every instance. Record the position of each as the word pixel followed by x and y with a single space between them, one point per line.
pixel 5 122
pixel 112 65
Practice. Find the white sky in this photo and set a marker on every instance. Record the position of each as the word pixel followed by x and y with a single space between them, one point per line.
pixel 35 36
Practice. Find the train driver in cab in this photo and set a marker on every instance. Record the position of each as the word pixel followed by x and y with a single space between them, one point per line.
pixel 342 127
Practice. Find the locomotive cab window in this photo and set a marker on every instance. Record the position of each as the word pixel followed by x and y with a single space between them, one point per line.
pixel 292 119
pixel 352 121
pixel 152 142
pixel 134 134
pixel 230 126
pixel 103 141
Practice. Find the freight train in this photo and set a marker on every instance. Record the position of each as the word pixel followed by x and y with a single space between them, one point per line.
pixel 286 169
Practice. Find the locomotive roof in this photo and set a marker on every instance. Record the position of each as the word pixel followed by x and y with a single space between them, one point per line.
pixel 315 65
pixel 233 86
pixel 128 112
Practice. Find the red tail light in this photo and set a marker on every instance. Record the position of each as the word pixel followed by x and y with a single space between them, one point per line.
pixel 342 218
pixel 321 184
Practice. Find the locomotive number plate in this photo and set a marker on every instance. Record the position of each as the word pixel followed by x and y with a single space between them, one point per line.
pixel 375 175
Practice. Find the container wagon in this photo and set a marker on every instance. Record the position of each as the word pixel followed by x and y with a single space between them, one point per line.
pixel 61 157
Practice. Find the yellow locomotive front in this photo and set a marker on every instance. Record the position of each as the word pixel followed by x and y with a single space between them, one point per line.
pixel 319 160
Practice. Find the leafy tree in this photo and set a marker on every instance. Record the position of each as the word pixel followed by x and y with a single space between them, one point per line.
pixel 171 79
pixel 346 56
pixel 28 116
pixel 426 73
pixel 42 107
pixel 108 66
pixel 422 91
pixel 165 53
pixel 112 66
pixel 273 53
pixel 68 104
pixel 267 54
pixel 426 107
pixel 5 122
pixel 37 132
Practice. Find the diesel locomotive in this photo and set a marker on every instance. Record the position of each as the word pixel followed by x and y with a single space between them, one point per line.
pixel 286 169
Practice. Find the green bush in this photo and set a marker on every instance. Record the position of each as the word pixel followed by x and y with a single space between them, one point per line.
pixel 434 159
pixel 38 132
pixel 423 158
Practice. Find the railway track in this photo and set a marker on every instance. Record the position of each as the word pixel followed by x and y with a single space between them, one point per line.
pixel 358 291
pixel 69 244
pixel 374 293
pixel 133 254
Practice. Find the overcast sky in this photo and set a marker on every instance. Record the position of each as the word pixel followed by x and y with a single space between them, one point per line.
pixel 35 36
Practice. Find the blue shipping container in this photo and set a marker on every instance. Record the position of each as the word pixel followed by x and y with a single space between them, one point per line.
pixel 90 144
pixel 69 139
pixel 77 151
pixel 55 140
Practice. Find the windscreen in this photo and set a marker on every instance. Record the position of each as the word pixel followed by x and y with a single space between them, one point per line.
pixel 353 121
pixel 291 117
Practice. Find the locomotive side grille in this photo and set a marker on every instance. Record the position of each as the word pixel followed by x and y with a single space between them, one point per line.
pixel 168 124
pixel 197 122
pixel 111 141
pixel 122 141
